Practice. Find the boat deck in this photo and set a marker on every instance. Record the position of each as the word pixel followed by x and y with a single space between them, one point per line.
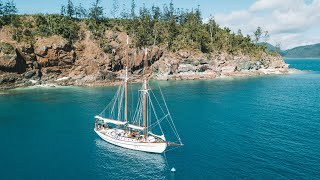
pixel 122 135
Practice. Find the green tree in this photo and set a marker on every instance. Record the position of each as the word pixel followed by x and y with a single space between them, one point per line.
pixel 80 11
pixel 257 35
pixel 278 47
pixel 96 11
pixel 133 9
pixel 115 8
pixel 239 32
pixel 212 24
pixel 70 9
pixel 9 8
pixel 63 10
pixel 8 13
pixel 1 8
pixel 124 13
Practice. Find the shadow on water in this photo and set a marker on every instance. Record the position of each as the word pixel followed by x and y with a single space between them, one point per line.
pixel 142 165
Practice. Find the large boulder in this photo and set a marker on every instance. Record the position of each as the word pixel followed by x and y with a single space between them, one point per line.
pixel 228 69
pixel 9 78
pixel 30 74
pixel 186 68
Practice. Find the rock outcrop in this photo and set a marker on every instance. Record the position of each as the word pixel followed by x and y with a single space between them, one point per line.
pixel 189 66
pixel 86 63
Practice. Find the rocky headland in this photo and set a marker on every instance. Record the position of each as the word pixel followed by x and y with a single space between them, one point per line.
pixel 52 60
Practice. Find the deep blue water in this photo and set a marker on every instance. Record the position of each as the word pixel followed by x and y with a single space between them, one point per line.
pixel 261 128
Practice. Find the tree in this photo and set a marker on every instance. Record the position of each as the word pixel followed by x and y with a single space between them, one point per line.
pixel 9 8
pixel 257 35
pixel 8 13
pixel 133 9
pixel 1 8
pixel 96 11
pixel 81 12
pixel 278 47
pixel 115 8
pixel 124 12
pixel 63 10
pixel 212 25
pixel 145 29
pixel 70 9
pixel 156 13
pixel 266 36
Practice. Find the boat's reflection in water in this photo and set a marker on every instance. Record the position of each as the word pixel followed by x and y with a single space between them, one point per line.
pixel 133 163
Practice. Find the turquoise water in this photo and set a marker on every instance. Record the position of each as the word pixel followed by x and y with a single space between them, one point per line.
pixel 262 128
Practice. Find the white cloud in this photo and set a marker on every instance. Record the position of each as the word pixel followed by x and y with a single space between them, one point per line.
pixel 289 22
pixel 269 4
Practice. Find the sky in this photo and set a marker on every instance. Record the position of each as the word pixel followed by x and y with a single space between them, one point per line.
pixel 290 23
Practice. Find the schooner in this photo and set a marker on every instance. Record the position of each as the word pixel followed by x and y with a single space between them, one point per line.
pixel 114 126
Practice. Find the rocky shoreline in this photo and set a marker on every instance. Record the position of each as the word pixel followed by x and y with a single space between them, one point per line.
pixel 53 61
pixel 182 76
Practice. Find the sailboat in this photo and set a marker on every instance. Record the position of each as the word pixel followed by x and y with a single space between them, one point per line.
pixel 114 126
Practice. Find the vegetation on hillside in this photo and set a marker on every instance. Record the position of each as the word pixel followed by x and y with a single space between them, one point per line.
pixel 310 51
pixel 167 26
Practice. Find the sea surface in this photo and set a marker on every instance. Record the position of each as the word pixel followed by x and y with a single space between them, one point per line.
pixel 238 128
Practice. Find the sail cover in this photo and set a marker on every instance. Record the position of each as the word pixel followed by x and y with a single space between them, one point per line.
pixel 112 121
pixel 135 127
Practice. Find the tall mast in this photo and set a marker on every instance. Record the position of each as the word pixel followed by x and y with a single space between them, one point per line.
pixel 145 93
pixel 126 82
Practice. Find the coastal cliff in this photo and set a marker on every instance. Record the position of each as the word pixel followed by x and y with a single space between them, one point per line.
pixel 53 60
pixel 90 50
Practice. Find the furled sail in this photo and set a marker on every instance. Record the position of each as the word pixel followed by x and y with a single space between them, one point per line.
pixel 112 121
pixel 135 127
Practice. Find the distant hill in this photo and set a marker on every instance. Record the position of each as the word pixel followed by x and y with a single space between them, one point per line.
pixel 310 51
pixel 269 46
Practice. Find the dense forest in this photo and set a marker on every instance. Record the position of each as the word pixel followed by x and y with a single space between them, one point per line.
pixel 167 26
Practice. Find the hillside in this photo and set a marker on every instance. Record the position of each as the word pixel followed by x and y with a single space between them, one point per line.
pixel 269 47
pixel 88 49
pixel 310 51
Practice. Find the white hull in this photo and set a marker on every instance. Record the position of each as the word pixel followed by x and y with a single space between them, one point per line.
pixel 129 143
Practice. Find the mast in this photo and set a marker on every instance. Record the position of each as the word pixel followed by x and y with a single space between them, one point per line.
pixel 145 93
pixel 126 84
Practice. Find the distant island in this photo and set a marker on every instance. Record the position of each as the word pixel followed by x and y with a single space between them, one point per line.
pixel 308 51
pixel 82 47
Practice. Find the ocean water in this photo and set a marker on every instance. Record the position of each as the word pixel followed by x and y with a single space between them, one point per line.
pixel 241 128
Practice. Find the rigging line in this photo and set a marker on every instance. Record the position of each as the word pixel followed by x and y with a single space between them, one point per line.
pixel 109 103
pixel 169 114
pixel 154 124
pixel 171 149
pixel 132 98
pixel 120 104
pixel 174 131
pixel 140 110
pixel 155 114
pixel 137 111
pixel 115 101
